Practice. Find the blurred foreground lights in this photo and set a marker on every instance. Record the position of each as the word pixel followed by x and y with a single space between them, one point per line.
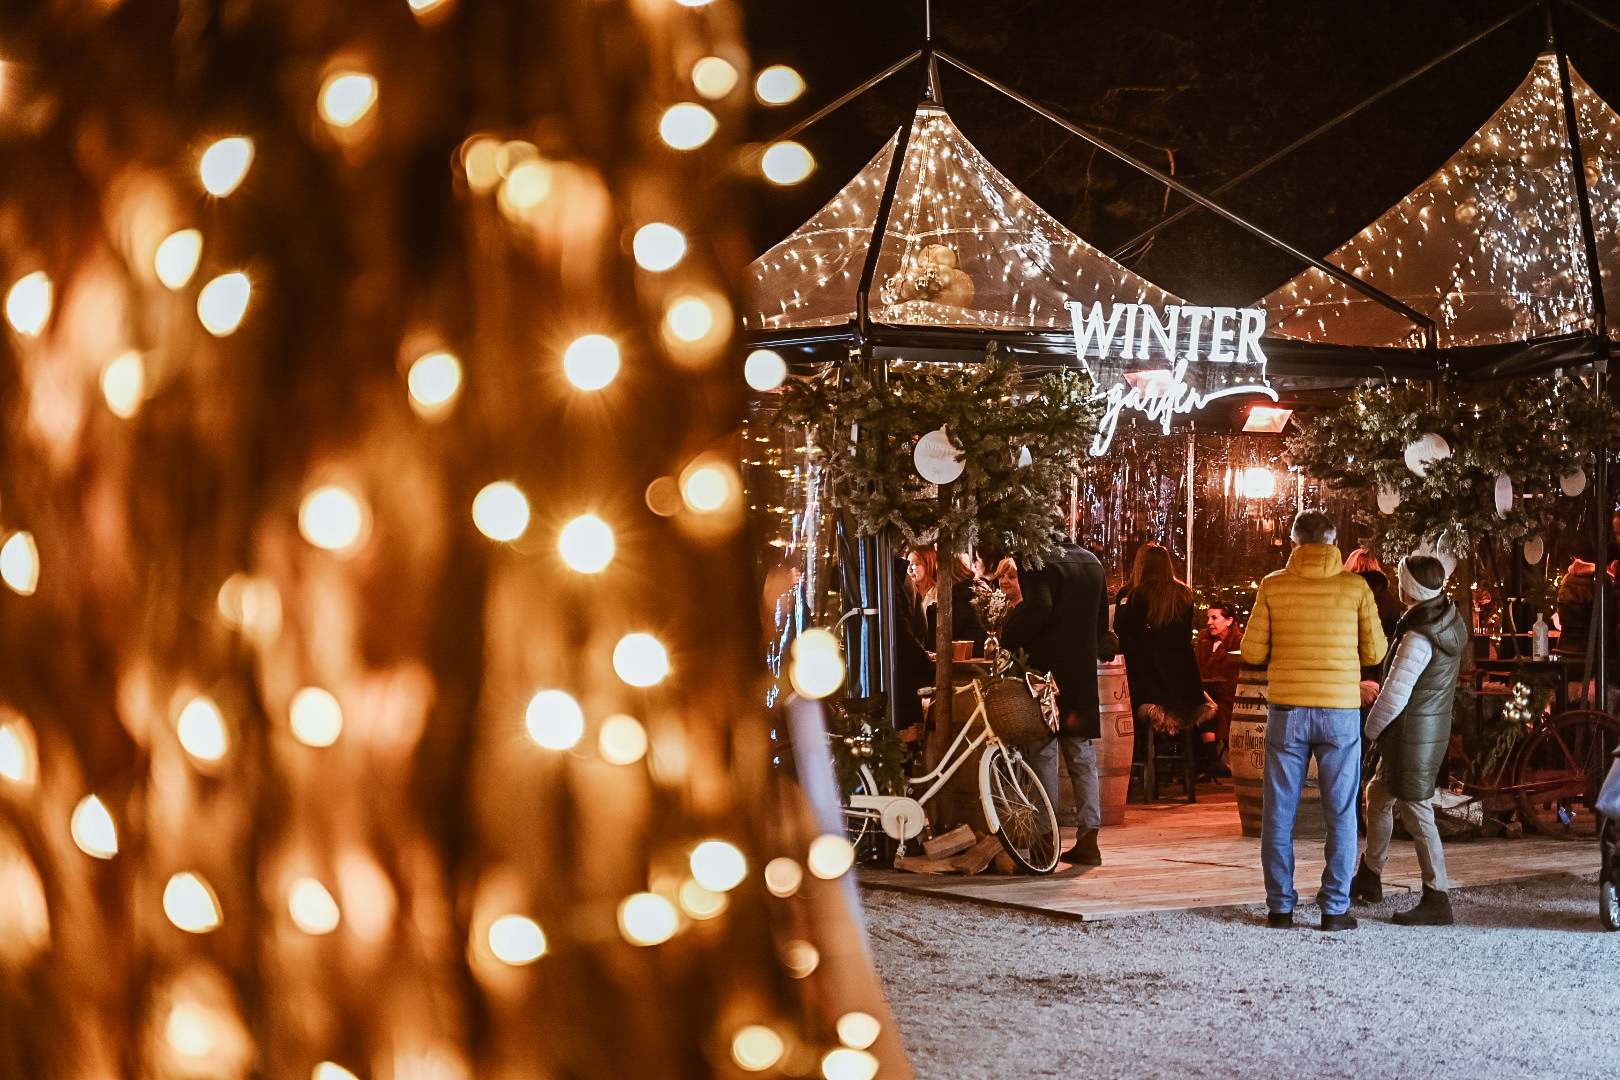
pixel 312 908
pixel 764 369
pixel 847 1064
pixel 224 164
pixel 647 919
pixel 640 660
pixel 591 362
pixel 328 1070
pixel 817 668
pixel 315 716
pixel 713 77
pixel 663 496
pixel 93 829
pixel 800 957
pixel 434 382
pixel 658 247
pixel 783 876
pixel 701 903
pixel 554 720
pixel 778 85
pixel 252 605
pixel 516 941
pixel 176 258
pixel 690 319
pixel 527 185
pixel 858 1030
pixel 346 97
pixel 192 1030
pixel 330 517
pixel 189 903
pixel 123 383
pixel 692 3
pixel 756 1048
pixel 709 486
pixel 18 762
pixel 830 857
pixel 28 304
pixel 201 729
pixel 622 740
pixel 420 8
pixel 718 866
pixel 19 563
pixel 786 163
pixel 586 544
pixel 501 511
pixel 687 126
pixel 223 302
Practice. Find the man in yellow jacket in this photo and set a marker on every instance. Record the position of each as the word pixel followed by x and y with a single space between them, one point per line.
pixel 1315 626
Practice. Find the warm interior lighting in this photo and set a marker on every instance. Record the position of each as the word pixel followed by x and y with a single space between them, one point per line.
pixel 647 919
pixel 1267 418
pixel 778 85
pixel 713 77
pixel 224 164
pixel 516 940
pixel 93 830
pixel 223 302
pixel 786 163
pixel 1259 483
pixel 690 318
pixel 177 257
pixel 858 1030
pixel 312 908
pixel 847 1064
pixel 640 660
pixel 331 518
pixel 315 716
pixel 434 382
pixel 687 126
pixel 622 740
pixel 554 720
pixel 783 876
pixel 591 362
pixel 756 1048
pixel 201 729
pixel 346 97
pixel 817 666
pixel 500 511
pixel 28 304
pixel 19 563
pixel 658 247
pixel 718 866
pixel 764 370
pixel 122 383
pixel 189 903
pixel 830 856
pixel 586 544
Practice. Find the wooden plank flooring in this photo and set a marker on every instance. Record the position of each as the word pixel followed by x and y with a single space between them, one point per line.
pixel 1174 856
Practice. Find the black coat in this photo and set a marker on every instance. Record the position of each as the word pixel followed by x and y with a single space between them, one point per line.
pixel 1161 667
pixel 1063 625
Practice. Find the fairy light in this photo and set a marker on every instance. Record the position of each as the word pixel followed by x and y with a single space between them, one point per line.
pixel 223 302
pixel 586 544
pixel 192 1030
pixel 701 903
pixel 591 362
pixel 783 876
pixel 329 1070
pixel 756 1048
pixel 778 85
pixel 93 830
pixel 554 720
pixel 658 247
pixel 176 258
pixel 17 763
pixel 714 77
pixel 331 518
pixel 19 563
pixel 830 857
pixel 786 163
pixel 189 903
pixel 690 318
pixel 847 1064
pixel 817 665
pixel 516 940
pixel 647 919
pixel 718 866
pixel 315 717
pixel 527 185
pixel 687 126
pixel 764 370
pixel 858 1030
pixel 121 384
pixel 710 485
pixel 622 740
pixel 800 957
pixel 28 303
pixel 346 97
pixel 501 511
pixel 224 164
pixel 201 729
pixel 434 383
pixel 640 660
pixel 312 908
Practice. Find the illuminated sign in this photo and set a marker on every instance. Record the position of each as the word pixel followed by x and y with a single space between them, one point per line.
pixel 1161 364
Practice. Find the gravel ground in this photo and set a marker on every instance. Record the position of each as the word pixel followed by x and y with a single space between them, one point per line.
pixel 1525 985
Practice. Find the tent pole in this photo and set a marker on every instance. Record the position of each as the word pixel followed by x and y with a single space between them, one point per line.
pixel 1600 595
pixel 880 227
pixel 1417 318
pixel 1192 452
pixel 845 100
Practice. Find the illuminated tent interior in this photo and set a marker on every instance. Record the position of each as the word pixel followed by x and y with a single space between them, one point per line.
pixel 1490 246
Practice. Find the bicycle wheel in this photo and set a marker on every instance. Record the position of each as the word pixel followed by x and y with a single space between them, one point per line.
pixel 1560 770
pixel 1017 810
pixel 1608 889
pixel 860 824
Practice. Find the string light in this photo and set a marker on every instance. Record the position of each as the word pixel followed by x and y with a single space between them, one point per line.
pixel 122 384
pixel 516 940
pixel 586 544
pixel 801 958
pixel 331 518
pixel 346 97
pixel 223 302
pixel 177 257
pixel 555 720
pixel 847 1064
pixel 591 362
pixel 434 383
pixel 315 717
pixel 622 740
pixel 501 511
pixel 718 866
pixel 224 164
pixel 28 303
pixel 201 729
pixel 817 666
pixel 19 563
pixel 312 908
pixel 756 1048
pixel 526 187
pixel 786 163
pixel 713 77
pixel 710 485
pixel 764 370
pixel 700 902
pixel 640 660
pixel 658 247
pixel 189 903
pixel 690 318
pixel 687 126
pixel 647 919
pixel 93 830
pixel 778 85
pixel 858 1030
pixel 830 857
pixel 783 876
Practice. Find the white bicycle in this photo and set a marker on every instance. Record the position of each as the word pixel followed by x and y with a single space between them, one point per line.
pixel 1016 809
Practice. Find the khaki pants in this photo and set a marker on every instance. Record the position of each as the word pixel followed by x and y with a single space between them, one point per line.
pixel 1419 818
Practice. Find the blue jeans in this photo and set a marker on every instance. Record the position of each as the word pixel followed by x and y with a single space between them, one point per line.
pixel 1081 757
pixel 1293 735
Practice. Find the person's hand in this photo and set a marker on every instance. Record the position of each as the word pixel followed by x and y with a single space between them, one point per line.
pixel 1369 691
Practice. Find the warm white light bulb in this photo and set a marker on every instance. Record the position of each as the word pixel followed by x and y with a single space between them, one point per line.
pixel 346 97
pixel 93 830
pixel 687 126
pixel 658 247
pixel 764 370
pixel 224 164
pixel 201 729
pixel 316 717
pixel 690 318
pixel 591 362
pixel 778 85
pixel 756 1048
pixel 434 382
pixel 312 908
pixel 713 77
pixel 554 720
pixel 586 544
pixel 501 511
pixel 622 740
pixel 28 304
pixel 718 866
pixel 123 383
pixel 177 257
pixel 786 163
pixel 189 903
pixel 19 563
pixel 640 660
pixel 223 302
pixel 516 940
pixel 830 856
pixel 331 518
pixel 647 919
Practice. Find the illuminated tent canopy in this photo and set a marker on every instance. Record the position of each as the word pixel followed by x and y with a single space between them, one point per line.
pixel 1490 246
pixel 963 249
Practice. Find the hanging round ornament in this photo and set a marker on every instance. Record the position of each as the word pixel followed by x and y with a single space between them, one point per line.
pixel 1534 549
pixel 938 462
pixel 1388 499
pixel 1504 494
pixel 1424 451
pixel 1025 459
pixel 1573 483
pixel 1438 551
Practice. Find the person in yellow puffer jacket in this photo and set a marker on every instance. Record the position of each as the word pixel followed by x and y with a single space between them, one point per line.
pixel 1314 626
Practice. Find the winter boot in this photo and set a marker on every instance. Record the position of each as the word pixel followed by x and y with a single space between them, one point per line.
pixel 1367 887
pixel 1084 852
pixel 1433 910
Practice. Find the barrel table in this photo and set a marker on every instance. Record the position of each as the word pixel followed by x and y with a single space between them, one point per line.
pixel 1114 749
pixel 1246 757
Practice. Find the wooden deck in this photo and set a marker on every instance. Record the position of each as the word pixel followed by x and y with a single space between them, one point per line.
pixel 1173 856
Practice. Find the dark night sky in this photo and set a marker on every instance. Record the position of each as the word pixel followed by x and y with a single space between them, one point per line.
pixel 1219 86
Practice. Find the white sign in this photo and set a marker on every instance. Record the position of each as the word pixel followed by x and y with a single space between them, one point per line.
pixel 938 462
pixel 1223 342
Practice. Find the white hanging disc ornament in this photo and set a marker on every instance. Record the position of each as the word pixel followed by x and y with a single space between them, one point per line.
pixel 1388 499
pixel 1025 460
pixel 938 462
pixel 1534 549
pixel 1504 494
pixel 1447 560
pixel 1424 451
pixel 1572 484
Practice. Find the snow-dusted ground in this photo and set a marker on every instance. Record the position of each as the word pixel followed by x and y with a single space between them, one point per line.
pixel 1526 985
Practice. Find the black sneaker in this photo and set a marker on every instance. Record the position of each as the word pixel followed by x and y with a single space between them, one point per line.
pixel 1346 921
pixel 1280 920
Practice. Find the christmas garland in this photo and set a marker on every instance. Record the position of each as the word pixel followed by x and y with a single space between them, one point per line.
pixel 861 739
pixel 1537 434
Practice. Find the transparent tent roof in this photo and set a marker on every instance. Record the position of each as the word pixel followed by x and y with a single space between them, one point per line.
pixel 1489 246
pixel 963 248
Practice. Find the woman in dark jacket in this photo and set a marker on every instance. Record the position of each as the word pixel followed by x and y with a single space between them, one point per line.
pixel 1153 620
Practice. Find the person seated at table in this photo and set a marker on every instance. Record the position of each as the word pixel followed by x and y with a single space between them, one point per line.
pixel 923 575
pixel 1575 597
pixel 1153 620
pixel 1219 651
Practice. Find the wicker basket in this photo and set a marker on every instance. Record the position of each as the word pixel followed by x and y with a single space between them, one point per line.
pixel 1015 714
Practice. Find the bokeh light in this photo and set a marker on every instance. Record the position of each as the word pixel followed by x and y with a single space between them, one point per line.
pixel 718 866
pixel 689 319
pixel 18 763
pixel 224 164
pixel 647 919
pixel 315 716
pixel 817 667
pixel 346 97
pixel 19 563
pixel 312 908
pixel 800 957
pixel 192 1030
pixel 223 302
pixel 527 185
pixel 434 382
pixel 687 126
pixel 622 740
pixel 658 247
pixel 177 257
pixel 201 729
pixel 554 720
pixel 480 157
pixel 713 77
pixel 640 660
pixel 123 383
pixel 516 940
pixel 28 303
pixel 331 518
pixel 328 1070
pixel 764 370
pixel 501 511
pixel 783 876
pixel 756 1048
pixel 778 85
pixel 858 1030
pixel 701 903
pixel 189 903
pixel 830 856
pixel 663 496
pixel 591 362
pixel 847 1064
pixel 93 830
pixel 710 485
pixel 786 163
pixel 586 544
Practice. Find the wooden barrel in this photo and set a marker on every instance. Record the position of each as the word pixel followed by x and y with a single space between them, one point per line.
pixel 1246 757
pixel 1118 740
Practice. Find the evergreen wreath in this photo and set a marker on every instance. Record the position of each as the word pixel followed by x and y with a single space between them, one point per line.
pixel 860 739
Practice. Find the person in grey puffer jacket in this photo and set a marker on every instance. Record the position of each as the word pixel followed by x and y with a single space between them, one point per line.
pixel 1412 722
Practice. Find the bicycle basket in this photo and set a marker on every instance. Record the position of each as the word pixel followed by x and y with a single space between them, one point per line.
pixel 1014 713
